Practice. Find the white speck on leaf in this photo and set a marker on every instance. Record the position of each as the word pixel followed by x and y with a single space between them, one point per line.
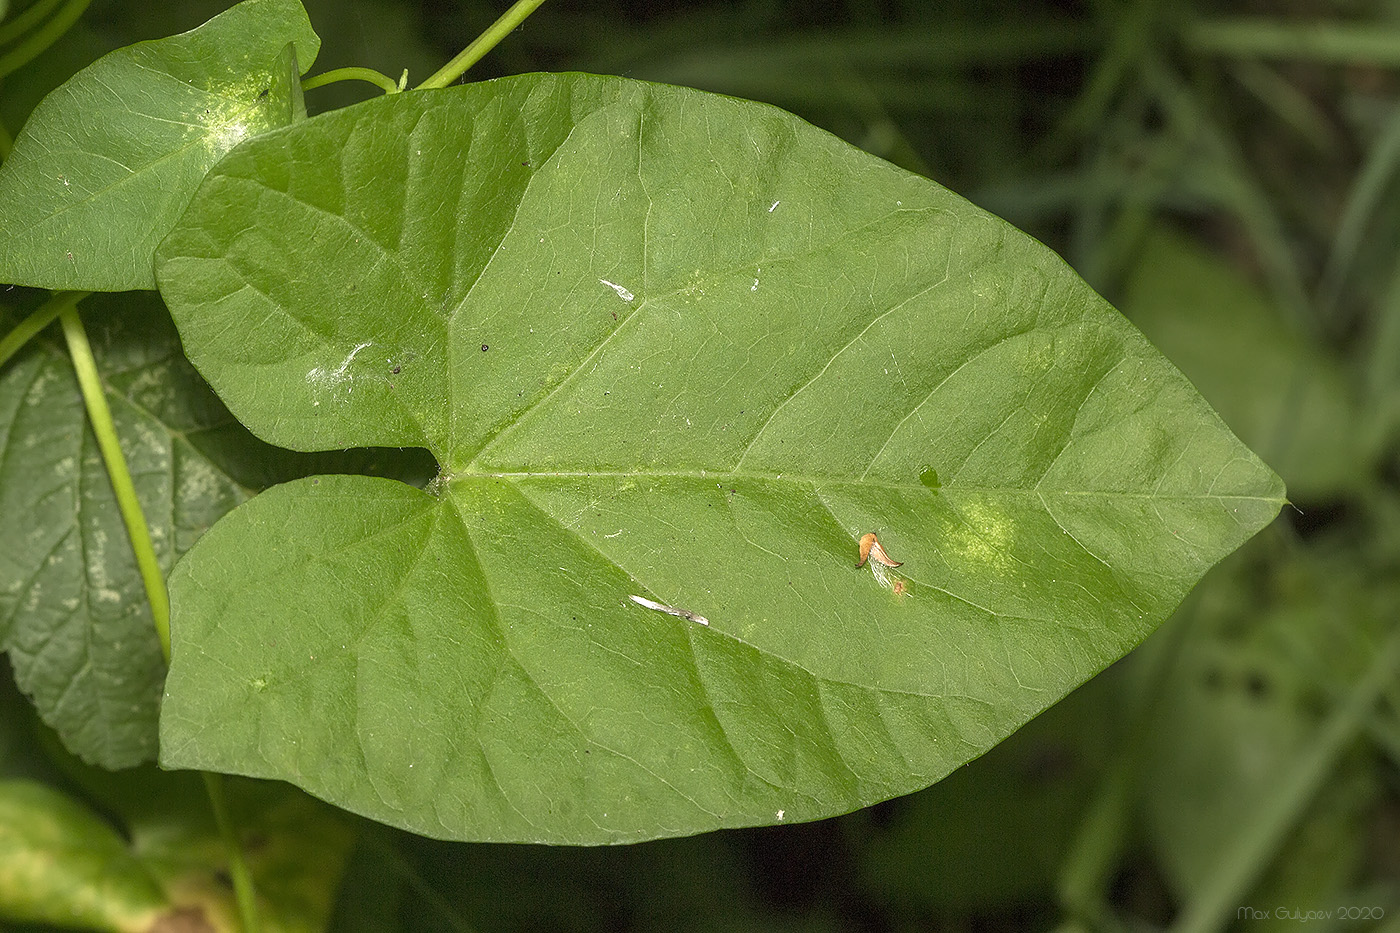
pixel 622 292
pixel 780 814
pixel 773 205
pixel 669 610
pixel 337 375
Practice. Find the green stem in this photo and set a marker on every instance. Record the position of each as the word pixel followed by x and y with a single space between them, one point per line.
pixel 482 44
pixel 243 891
pixel 100 417
pixel 388 84
pixel 7 143
pixel 26 21
pixel 1330 42
pixel 42 38
pixel 11 343
pixel 1252 851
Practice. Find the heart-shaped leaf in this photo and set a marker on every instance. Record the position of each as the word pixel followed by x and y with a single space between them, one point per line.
pixel 106 164
pixel 677 354
pixel 73 611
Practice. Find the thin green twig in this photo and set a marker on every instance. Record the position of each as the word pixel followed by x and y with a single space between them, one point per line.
pixel 481 44
pixel 43 37
pixel 100 417
pixel 243 891
pixel 11 343
pixel 380 80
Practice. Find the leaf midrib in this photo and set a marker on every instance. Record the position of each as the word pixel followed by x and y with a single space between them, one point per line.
pixel 806 479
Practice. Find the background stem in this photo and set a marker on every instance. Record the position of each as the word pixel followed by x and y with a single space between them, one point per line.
pixel 243 890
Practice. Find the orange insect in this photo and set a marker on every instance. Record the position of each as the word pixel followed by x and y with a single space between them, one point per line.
pixel 870 549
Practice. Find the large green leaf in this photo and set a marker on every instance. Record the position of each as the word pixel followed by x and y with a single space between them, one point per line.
pixel 673 346
pixel 73 612
pixel 107 162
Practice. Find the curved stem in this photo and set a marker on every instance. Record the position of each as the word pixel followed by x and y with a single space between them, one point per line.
pixel 11 343
pixel 481 44
pixel 388 84
pixel 26 21
pixel 42 38
pixel 100 416
pixel 243 892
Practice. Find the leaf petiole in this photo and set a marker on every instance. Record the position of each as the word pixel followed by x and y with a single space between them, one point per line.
pixel 100 416
pixel 388 84
pixel 481 44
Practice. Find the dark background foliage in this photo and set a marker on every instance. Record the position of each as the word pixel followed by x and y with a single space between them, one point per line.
pixel 1226 174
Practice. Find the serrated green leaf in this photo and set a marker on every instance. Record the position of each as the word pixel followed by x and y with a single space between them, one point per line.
pixel 107 162
pixel 61 864
pixel 672 346
pixel 73 612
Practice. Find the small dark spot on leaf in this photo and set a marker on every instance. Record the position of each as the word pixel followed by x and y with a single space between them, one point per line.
pixel 315 482
pixel 614 314
pixel 396 370
pixel 1257 685
pixel 265 92
pixel 526 163
pixel 484 348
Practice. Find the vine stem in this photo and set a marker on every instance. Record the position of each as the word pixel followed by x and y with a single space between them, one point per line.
pixel 26 20
pixel 43 37
pixel 11 343
pixel 243 892
pixel 481 44
pixel 100 417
